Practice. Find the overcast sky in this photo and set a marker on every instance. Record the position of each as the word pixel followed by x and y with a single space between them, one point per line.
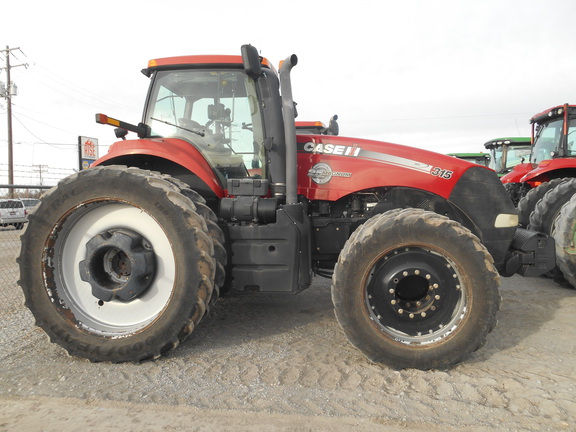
pixel 444 75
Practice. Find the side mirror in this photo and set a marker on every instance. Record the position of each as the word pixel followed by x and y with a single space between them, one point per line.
pixel 333 128
pixel 120 133
pixel 251 60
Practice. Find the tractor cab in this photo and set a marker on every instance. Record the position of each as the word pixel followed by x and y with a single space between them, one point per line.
pixel 554 134
pixel 216 111
pixel 506 153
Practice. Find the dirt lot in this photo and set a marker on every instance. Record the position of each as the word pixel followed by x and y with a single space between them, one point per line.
pixel 281 363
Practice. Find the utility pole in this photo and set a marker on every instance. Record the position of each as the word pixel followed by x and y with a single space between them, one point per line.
pixel 8 93
pixel 40 169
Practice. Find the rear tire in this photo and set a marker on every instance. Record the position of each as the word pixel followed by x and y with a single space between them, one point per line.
pixel 414 289
pixel 76 281
pixel 213 230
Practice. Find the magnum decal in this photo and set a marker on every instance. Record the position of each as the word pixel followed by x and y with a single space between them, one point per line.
pixel 322 173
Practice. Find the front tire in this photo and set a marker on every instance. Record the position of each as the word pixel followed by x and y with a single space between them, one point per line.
pixel 516 191
pixel 548 208
pixel 414 289
pixel 116 265
pixel 527 204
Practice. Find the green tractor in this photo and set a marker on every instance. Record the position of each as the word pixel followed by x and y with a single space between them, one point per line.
pixel 506 153
pixel 477 158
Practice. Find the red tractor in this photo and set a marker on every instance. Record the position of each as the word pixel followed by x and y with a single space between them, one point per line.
pixel 121 262
pixel 547 182
pixel 317 127
pixel 552 153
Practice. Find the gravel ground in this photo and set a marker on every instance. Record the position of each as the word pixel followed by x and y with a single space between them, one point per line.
pixel 279 362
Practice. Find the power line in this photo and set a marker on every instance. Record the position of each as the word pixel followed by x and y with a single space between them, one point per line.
pixel 71 90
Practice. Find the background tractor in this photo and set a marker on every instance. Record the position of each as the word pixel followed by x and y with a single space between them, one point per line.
pixel 318 128
pixel 477 158
pixel 551 157
pixel 547 182
pixel 506 153
pixel 121 262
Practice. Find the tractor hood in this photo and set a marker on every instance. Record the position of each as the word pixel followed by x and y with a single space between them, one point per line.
pixel 330 167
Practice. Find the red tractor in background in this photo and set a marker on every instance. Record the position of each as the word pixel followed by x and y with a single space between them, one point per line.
pixel 545 184
pixel 120 262
pixel 317 127
pixel 551 156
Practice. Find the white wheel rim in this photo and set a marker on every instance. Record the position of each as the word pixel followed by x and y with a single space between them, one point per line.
pixel 116 317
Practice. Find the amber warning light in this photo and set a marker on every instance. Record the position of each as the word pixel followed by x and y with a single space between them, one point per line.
pixel 104 119
pixel 141 129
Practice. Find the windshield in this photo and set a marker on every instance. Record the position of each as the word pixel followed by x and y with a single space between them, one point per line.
pixel 547 141
pixel 515 154
pixel 216 111
pixel 571 145
pixel 495 158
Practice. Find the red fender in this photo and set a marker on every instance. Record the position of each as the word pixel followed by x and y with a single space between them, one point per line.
pixel 546 167
pixel 175 150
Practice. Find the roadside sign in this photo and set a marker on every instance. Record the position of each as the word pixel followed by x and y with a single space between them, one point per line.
pixel 88 151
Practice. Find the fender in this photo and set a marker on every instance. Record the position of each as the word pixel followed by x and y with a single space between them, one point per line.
pixel 517 173
pixel 549 169
pixel 330 167
pixel 175 150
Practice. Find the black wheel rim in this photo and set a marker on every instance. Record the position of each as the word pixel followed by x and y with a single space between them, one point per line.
pixel 415 295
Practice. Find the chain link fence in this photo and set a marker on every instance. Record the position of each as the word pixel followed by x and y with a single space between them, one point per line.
pixel 17 328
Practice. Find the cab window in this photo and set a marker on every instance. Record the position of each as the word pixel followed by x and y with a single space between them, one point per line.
pixel 215 111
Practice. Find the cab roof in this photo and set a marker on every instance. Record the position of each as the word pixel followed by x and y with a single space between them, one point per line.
pixel 555 112
pixel 506 141
pixel 185 62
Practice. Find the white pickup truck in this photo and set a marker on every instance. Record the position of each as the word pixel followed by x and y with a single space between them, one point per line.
pixel 12 212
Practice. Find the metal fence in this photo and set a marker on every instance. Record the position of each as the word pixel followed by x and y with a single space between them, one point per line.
pixel 17 323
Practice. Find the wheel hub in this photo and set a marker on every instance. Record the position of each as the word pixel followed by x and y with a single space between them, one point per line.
pixel 119 264
pixel 413 291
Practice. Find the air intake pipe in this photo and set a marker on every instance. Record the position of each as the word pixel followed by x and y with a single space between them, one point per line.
pixel 289 115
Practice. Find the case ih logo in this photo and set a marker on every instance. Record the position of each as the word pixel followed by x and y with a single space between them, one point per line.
pixel 340 150
pixel 322 173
